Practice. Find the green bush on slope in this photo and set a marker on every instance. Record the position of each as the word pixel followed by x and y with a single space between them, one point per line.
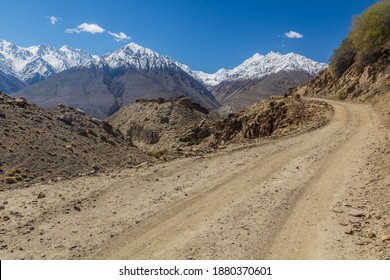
pixel 366 40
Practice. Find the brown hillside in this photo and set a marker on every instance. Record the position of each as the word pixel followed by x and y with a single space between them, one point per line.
pixel 276 116
pixel 372 85
pixel 40 145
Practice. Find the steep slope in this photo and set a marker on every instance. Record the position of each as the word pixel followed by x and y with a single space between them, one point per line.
pixel 371 85
pixel 40 145
pixel 32 64
pixel 257 78
pixel 10 83
pixel 104 85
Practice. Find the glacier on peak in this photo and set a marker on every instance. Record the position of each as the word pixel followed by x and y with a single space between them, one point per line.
pixel 30 64
pixel 39 62
pixel 259 66
pixel 138 57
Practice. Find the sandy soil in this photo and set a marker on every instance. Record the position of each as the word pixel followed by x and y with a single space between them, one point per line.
pixel 319 195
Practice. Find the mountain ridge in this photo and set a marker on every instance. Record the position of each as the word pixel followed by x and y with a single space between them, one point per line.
pixel 259 66
pixel 103 85
pixel 38 62
pixel 48 76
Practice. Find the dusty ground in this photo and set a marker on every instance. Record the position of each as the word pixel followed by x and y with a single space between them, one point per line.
pixel 320 195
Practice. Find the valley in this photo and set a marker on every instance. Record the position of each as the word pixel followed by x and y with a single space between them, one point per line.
pixel 225 205
pixel 134 155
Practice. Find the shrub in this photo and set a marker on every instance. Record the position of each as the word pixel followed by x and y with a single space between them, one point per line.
pixel 369 35
pixel 342 94
pixel 370 32
pixel 157 154
pixel 342 58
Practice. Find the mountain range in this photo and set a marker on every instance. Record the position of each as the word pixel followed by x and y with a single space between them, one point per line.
pixel 101 85
pixel 26 66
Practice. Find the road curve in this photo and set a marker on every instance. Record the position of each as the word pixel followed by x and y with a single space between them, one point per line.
pixel 266 201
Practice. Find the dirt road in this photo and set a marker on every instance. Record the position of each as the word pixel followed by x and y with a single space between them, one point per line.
pixel 270 199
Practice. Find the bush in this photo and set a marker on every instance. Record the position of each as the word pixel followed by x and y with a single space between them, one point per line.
pixel 370 32
pixel 342 94
pixel 342 58
pixel 157 154
pixel 369 35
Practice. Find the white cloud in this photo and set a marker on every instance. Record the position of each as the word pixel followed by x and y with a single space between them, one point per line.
pixel 53 19
pixel 86 27
pixel 119 37
pixel 293 35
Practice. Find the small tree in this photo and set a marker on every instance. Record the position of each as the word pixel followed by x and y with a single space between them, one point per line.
pixel 342 58
pixel 369 35
pixel 370 32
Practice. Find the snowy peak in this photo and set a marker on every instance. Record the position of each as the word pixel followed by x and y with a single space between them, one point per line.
pixel 136 56
pixel 38 62
pixel 259 66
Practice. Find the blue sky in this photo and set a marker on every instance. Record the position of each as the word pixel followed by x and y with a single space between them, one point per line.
pixel 204 34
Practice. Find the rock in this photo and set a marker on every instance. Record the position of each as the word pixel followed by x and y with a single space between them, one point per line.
pixel 359 242
pixel 10 180
pixel 385 237
pixel 79 111
pixel 356 213
pixel 2 115
pixel 6 218
pixel 67 119
pixel 91 132
pixel 82 132
pixel 21 101
pixel 95 168
pixel 348 230
pixel 95 121
pixel 77 208
pixel 41 195
pixel 164 120
pixel 107 127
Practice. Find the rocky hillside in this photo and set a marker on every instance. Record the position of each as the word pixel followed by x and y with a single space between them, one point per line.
pixel 163 127
pixel 359 69
pixel 370 85
pixel 273 117
pixel 40 145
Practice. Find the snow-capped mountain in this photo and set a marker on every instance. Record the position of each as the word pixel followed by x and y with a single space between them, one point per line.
pixel 35 63
pixel 259 66
pixel 102 85
pixel 257 78
pixel 138 57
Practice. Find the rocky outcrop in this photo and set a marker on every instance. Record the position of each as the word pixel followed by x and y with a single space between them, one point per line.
pixel 372 81
pixel 275 116
pixel 164 124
